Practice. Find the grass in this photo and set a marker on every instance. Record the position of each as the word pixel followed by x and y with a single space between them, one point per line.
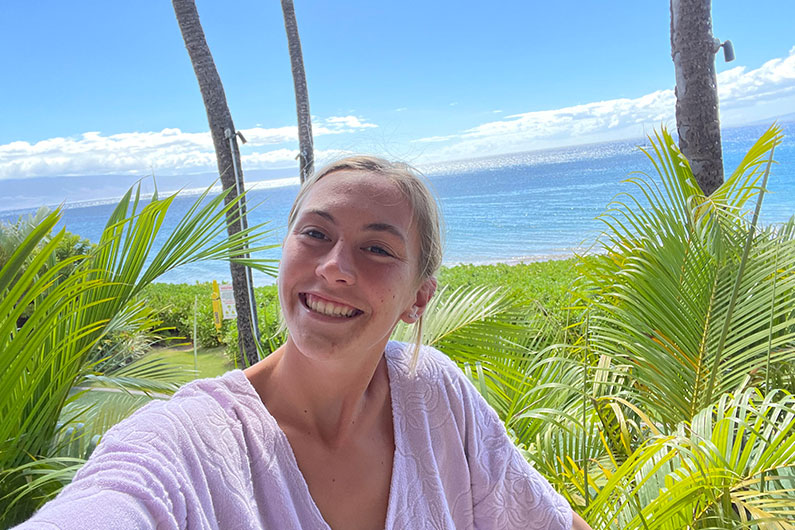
pixel 211 361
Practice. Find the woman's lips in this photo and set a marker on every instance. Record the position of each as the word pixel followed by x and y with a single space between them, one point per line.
pixel 327 307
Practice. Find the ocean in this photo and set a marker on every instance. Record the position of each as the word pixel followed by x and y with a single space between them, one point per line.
pixel 519 207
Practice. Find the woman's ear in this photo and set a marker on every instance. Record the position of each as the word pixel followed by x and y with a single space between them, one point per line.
pixel 425 292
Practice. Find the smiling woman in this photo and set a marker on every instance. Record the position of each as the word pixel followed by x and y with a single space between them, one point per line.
pixel 402 238
pixel 339 427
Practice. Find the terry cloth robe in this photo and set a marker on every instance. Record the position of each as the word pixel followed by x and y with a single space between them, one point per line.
pixel 213 457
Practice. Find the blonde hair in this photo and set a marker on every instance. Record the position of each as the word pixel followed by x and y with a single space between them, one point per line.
pixel 425 213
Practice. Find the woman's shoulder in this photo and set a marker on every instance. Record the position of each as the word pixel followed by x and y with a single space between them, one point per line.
pixel 433 375
pixel 204 404
pixel 229 391
pixel 431 364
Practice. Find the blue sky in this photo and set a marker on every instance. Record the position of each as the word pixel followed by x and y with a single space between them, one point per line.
pixel 105 87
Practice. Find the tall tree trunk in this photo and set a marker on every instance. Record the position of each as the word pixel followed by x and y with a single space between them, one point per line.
pixel 697 118
pixel 306 149
pixel 220 120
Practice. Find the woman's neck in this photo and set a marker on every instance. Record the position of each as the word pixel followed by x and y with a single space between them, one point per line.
pixel 332 399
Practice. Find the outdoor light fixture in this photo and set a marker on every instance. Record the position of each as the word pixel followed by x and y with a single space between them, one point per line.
pixel 728 49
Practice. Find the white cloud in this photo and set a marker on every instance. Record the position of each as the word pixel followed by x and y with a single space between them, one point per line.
pixel 280 158
pixel 590 122
pixel 262 136
pixel 745 96
pixel 170 151
pixel 338 124
pixel 435 139
pixel 742 92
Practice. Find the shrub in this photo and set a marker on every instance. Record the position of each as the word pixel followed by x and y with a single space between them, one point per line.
pixel 545 282
pixel 120 349
pixel 173 305
pixel 269 319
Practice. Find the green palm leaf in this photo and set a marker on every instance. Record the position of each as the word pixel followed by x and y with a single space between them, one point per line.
pixel 41 362
pixel 492 334
pixel 710 474
pixel 674 297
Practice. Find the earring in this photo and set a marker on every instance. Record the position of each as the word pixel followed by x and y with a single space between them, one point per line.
pixel 413 313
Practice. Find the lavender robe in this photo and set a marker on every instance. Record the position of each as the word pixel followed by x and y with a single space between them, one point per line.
pixel 213 457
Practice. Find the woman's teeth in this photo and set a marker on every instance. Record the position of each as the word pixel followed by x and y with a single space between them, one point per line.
pixel 328 308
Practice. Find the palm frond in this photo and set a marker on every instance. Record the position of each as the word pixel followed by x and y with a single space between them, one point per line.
pixel 710 473
pixel 51 352
pixel 675 299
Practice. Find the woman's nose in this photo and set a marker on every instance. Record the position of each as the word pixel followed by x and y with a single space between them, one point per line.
pixel 337 265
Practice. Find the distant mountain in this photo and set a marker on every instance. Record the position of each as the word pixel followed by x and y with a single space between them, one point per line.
pixel 30 193
pixel 781 120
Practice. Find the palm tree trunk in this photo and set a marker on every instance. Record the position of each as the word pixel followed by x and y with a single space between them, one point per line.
pixel 697 117
pixel 306 149
pixel 220 120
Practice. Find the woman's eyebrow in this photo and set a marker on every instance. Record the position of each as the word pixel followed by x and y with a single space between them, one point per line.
pixel 322 213
pixel 373 227
pixel 386 227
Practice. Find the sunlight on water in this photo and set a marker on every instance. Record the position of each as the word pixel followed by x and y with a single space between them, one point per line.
pixel 523 206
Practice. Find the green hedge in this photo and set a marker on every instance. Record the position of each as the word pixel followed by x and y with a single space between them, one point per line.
pixel 173 304
pixel 545 283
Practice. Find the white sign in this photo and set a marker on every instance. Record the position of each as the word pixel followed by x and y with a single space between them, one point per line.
pixel 228 301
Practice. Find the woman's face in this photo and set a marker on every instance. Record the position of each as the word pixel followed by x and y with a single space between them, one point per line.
pixel 349 268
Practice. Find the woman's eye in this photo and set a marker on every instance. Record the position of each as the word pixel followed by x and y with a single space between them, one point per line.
pixel 314 234
pixel 375 249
